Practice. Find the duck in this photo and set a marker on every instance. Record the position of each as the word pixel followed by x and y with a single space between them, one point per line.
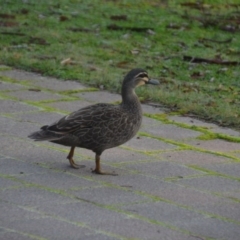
pixel 100 126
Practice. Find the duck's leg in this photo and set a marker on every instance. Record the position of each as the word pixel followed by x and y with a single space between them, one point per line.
pixel 70 158
pixel 98 170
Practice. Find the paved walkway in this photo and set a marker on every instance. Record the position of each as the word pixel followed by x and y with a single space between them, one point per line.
pixel 178 179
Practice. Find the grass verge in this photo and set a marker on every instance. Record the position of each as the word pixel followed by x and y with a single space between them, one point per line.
pixel 191 46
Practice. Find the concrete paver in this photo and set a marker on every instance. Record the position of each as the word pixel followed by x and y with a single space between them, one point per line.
pixel 10 87
pixel 174 215
pixel 171 185
pixel 33 95
pixel 195 122
pixel 148 144
pixel 212 183
pixel 93 97
pixel 10 106
pixel 169 131
pixel 168 169
pixel 232 169
pixel 68 107
pixel 217 145
pixel 38 117
pixel 191 157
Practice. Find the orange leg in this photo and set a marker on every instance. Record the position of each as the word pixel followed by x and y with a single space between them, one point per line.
pixel 70 158
pixel 98 170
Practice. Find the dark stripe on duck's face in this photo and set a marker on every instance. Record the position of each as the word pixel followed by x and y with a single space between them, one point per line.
pixel 141 78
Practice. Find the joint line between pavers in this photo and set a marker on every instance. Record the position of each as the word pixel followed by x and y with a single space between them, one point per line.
pixel 23 233
pixel 158 199
pixel 211 135
pixel 189 147
pixel 80 224
pixel 149 152
pixel 70 92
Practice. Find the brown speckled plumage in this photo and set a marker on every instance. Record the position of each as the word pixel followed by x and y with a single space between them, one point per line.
pixel 100 126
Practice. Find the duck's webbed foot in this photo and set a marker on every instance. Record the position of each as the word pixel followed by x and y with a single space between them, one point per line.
pixel 104 173
pixel 71 161
pixel 75 165
pixel 98 170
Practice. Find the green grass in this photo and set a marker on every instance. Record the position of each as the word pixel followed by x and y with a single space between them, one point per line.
pixel 39 35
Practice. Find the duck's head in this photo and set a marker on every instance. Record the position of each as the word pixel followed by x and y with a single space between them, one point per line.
pixel 137 77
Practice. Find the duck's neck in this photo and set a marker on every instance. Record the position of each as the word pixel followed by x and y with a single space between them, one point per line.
pixel 130 99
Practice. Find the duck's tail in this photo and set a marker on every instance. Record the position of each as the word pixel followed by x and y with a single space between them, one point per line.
pixel 44 135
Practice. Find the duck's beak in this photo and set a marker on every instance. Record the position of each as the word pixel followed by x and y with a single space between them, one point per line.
pixel 153 82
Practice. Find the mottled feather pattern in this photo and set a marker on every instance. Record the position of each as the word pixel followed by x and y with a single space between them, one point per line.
pixel 98 125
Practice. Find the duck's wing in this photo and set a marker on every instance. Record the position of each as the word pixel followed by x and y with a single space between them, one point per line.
pixel 84 119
